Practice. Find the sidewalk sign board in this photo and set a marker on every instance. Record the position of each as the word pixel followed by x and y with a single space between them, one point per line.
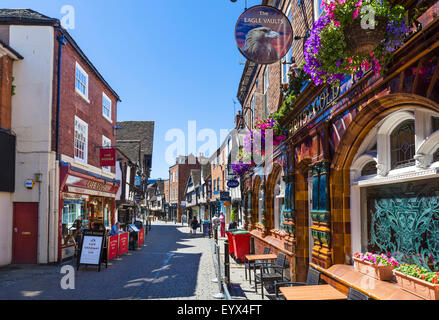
pixel 91 248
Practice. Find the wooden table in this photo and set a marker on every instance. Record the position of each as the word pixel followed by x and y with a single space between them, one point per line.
pixel 320 292
pixel 252 258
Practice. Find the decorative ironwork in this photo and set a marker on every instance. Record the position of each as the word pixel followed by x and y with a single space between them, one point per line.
pixel 407 224
pixel 402 142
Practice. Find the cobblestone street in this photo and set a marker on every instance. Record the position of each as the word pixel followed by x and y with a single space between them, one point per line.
pixel 173 265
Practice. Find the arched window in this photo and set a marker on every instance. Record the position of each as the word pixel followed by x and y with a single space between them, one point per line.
pixel 369 169
pixel 402 142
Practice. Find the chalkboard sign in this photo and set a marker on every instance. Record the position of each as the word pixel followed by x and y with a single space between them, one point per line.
pixel 91 248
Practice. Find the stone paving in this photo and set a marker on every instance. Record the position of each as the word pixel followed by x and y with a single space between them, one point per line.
pixel 174 265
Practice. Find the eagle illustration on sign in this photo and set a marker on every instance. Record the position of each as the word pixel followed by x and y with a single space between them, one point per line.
pixel 263 34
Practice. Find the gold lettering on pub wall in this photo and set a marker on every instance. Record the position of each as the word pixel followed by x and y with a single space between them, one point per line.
pixel 95 185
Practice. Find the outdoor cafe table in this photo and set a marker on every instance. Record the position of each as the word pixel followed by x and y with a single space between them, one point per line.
pixel 319 292
pixel 252 258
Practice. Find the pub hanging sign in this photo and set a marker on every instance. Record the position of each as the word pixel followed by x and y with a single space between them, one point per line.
pixel 263 34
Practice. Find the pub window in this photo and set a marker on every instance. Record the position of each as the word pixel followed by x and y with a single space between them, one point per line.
pixel 287 60
pixel 369 169
pixel 402 142
pixel 279 194
pixel 260 203
pixel 80 143
pixel 266 91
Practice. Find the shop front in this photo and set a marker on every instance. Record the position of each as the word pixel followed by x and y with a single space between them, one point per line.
pixel 87 201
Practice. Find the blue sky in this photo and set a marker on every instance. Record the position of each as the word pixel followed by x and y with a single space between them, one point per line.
pixel 170 61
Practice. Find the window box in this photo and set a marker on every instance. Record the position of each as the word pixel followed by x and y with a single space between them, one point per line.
pixel 384 273
pixel 417 286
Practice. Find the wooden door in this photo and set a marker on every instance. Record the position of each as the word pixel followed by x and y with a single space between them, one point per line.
pixel 25 233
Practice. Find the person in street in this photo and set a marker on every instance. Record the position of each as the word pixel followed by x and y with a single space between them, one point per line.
pixel 233 225
pixel 115 229
pixel 222 220
pixel 194 225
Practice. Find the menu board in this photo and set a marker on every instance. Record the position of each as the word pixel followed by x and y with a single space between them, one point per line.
pixel 91 248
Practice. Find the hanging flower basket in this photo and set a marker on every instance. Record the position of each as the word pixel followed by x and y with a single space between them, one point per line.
pixel 418 280
pixel 361 41
pixel 339 46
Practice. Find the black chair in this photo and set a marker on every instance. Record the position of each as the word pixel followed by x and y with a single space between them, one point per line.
pixel 357 295
pixel 312 279
pixel 254 265
pixel 271 272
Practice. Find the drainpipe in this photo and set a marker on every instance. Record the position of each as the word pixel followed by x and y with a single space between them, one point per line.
pixel 62 41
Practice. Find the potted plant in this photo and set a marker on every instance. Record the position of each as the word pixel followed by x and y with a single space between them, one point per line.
pixel 345 40
pixel 376 266
pixel 418 280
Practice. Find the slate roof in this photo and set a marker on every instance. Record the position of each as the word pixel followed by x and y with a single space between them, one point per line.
pixel 25 16
pixel 135 130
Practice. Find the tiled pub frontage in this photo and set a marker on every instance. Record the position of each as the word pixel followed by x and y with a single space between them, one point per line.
pixel 358 172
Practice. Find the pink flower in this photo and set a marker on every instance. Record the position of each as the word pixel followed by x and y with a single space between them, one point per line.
pixel 336 23
pixel 356 12
pixel 359 3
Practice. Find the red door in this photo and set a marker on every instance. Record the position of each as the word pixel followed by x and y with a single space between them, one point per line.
pixel 25 233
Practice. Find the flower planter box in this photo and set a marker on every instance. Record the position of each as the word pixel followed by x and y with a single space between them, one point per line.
pixel 384 273
pixel 417 286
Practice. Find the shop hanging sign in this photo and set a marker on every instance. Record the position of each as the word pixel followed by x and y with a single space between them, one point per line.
pixel 108 157
pixel 233 184
pixel 91 248
pixel 263 34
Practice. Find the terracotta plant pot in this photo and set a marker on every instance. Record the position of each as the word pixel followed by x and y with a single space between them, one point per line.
pixel 384 273
pixel 417 286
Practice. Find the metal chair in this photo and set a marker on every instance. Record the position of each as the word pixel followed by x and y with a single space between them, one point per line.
pixel 357 295
pixel 255 265
pixel 271 272
pixel 312 279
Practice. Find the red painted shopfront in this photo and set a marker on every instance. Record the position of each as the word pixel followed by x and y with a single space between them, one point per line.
pixel 86 201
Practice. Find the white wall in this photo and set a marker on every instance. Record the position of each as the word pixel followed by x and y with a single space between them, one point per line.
pixel 31 122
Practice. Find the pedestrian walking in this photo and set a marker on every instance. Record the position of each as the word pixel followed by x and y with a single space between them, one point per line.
pixel 115 229
pixel 194 225
pixel 222 220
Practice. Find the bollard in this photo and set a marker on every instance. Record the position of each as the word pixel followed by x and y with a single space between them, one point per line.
pixel 227 263
pixel 215 234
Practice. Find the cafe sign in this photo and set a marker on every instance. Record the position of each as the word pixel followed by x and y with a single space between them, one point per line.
pixel 108 157
pixel 323 100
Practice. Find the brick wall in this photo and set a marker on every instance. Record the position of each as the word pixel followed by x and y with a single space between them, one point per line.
pixel 72 104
